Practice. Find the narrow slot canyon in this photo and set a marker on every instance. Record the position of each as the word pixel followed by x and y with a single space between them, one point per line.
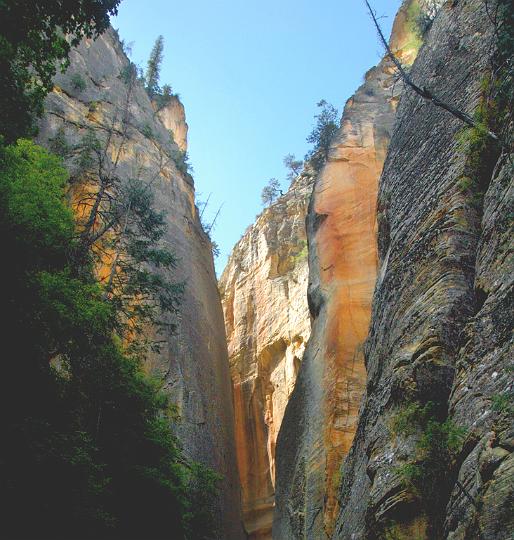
pixel 346 376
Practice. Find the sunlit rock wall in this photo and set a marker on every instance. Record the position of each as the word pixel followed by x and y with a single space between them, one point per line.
pixel 264 295
pixel 93 95
pixel 321 417
pixel 173 118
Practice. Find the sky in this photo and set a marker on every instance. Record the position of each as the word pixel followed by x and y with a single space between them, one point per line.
pixel 249 74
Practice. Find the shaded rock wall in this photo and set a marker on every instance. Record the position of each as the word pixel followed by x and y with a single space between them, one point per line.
pixel 94 95
pixel 264 295
pixel 321 418
pixel 442 311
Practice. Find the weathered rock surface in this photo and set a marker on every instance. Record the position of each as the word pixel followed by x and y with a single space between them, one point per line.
pixel 173 118
pixel 94 95
pixel 321 418
pixel 442 311
pixel 264 296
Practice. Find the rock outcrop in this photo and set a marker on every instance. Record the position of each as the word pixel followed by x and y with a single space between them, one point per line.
pixel 264 296
pixel 432 456
pixel 95 96
pixel 321 418
pixel 173 118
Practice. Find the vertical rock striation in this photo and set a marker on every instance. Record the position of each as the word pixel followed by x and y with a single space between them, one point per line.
pixel 94 96
pixel 321 418
pixel 440 336
pixel 264 296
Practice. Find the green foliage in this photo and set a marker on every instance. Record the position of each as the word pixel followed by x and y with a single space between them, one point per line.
pixel 408 418
pixel 414 18
pixel 34 221
pixel 270 191
pixel 147 131
pixel 129 73
pixel 181 160
pixel 293 166
pixel 504 402
pixel 163 97
pixel 153 68
pixel 503 73
pixel 202 488
pixel 215 249
pixel 160 96
pixel 420 19
pixel 494 111
pixel 78 82
pixel 322 135
pixel 88 147
pixel 33 43
pixel 438 443
pixel 303 251
pixel 87 451
pixel 59 145
pixel 476 144
pixel 93 106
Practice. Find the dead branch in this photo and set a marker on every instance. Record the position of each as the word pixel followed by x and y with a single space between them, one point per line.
pixel 424 92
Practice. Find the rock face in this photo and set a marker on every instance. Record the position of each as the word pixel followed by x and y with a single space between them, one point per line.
pixel 173 118
pixel 264 296
pixel 321 418
pixel 94 96
pixel 440 337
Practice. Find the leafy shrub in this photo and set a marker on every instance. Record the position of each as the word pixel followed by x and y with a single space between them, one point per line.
pixel 78 82
pixel 429 476
pixel 181 160
pixel 147 131
pixel 93 106
pixel 504 402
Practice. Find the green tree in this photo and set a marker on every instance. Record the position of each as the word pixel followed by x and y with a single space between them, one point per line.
pixel 293 166
pixel 322 134
pixel 164 97
pixel 270 191
pixel 153 67
pixel 34 41
pixel 87 450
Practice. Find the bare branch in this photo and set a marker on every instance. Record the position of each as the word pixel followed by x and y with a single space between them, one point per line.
pixel 424 92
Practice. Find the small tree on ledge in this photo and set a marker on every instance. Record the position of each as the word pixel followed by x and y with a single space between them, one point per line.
pixel 293 166
pixel 270 192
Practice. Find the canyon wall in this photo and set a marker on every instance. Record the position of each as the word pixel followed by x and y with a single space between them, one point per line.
pixel 321 417
pixel 95 97
pixel 432 455
pixel 264 296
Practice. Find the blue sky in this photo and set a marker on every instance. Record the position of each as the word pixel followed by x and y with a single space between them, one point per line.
pixel 250 74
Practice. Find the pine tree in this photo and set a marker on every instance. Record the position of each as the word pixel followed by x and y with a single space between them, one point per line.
pixel 322 134
pixel 154 67
pixel 293 166
pixel 270 191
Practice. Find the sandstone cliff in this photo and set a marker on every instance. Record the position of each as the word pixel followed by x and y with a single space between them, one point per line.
pixel 321 418
pixel 432 456
pixel 173 118
pixel 94 96
pixel 264 296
